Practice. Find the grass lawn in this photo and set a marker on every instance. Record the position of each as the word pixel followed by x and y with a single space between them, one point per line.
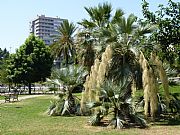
pixel 172 89
pixel 1 97
pixel 28 117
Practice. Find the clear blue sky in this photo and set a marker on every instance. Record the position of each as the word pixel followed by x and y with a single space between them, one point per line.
pixel 16 14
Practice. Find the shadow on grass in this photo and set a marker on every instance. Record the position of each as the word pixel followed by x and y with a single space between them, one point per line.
pixel 169 121
pixel 173 122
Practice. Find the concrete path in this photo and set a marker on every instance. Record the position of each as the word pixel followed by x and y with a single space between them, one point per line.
pixel 23 97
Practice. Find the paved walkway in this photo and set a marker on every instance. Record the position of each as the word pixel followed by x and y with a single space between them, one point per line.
pixel 23 97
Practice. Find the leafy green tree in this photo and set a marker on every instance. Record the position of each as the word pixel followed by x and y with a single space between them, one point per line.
pixel 4 55
pixel 3 73
pixel 32 62
pixel 64 47
pixel 167 19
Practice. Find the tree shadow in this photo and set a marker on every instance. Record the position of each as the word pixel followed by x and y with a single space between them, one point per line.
pixel 170 120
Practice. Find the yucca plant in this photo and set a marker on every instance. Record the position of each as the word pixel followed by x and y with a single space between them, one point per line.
pixel 69 78
pixel 115 100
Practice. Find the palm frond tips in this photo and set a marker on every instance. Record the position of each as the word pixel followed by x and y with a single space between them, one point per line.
pixel 72 75
pixel 91 105
pixel 95 119
pixel 120 89
pixel 63 46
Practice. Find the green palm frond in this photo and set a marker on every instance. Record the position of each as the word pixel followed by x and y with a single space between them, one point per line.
pixel 123 87
pixel 91 105
pixel 53 81
pixel 127 25
pixel 130 21
pixel 145 29
pixel 114 90
pixel 95 119
pixel 56 107
pixel 66 29
pixel 64 42
pixel 71 75
pixel 87 24
pixel 171 72
pixel 139 120
pixel 99 15
pixel 118 16
pixel 89 11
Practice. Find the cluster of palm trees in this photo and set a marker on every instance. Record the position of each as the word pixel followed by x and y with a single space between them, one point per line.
pixel 126 36
pixel 95 34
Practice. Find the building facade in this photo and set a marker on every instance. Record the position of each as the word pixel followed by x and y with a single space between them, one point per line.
pixel 45 27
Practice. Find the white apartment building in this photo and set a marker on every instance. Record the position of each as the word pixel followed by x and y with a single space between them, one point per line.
pixel 44 27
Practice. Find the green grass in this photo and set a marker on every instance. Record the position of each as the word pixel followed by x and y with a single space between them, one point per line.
pixel 1 97
pixel 28 117
pixel 172 89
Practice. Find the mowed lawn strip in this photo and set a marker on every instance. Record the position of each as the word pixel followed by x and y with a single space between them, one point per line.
pixel 28 117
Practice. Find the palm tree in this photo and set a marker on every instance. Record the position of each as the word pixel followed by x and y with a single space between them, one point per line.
pixel 86 51
pixel 69 78
pixel 100 18
pixel 64 43
pixel 115 99
pixel 126 38
pixel 129 40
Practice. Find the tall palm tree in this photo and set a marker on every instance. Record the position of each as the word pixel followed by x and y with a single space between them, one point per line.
pixel 64 43
pixel 126 37
pixel 100 18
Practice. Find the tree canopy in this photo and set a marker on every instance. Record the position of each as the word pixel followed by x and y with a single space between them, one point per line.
pixel 4 55
pixel 167 19
pixel 32 62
